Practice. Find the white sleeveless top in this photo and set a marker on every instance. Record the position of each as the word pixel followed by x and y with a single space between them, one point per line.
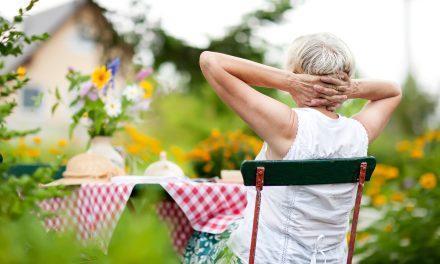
pixel 305 224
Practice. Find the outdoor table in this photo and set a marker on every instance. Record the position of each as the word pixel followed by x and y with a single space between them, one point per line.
pixel 94 209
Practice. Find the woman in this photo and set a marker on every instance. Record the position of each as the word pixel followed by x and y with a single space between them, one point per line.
pixel 299 224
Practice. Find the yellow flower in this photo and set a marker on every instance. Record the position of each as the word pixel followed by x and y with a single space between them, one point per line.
pixel 379 200
pixel 388 228
pixel 101 76
pixel 391 173
pixel 54 151
pixel 428 180
pixel 373 189
pixel 22 143
pixel 62 143
pixel 21 71
pixel 403 146
pixel 37 140
pixel 33 153
pixel 397 197
pixel 148 88
pixel 417 153
pixel 420 142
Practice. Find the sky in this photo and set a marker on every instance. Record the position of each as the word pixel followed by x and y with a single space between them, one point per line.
pixel 373 29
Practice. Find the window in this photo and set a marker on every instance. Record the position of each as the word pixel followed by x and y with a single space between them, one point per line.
pixel 31 98
pixel 82 40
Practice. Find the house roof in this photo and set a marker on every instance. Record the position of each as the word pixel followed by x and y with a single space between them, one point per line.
pixel 47 21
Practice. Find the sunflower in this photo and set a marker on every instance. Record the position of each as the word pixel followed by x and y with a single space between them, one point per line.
pixel 101 76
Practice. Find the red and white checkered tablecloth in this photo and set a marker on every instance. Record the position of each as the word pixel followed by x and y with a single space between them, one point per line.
pixel 94 209
pixel 180 227
pixel 209 207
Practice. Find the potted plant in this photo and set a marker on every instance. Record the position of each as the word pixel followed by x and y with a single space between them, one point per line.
pixel 102 107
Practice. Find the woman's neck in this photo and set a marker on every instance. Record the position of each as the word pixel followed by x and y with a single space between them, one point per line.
pixel 324 111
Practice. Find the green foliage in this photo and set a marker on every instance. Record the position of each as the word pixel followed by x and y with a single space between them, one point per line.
pixel 408 228
pixel 138 238
pixel 240 40
pixel 12 42
pixel 20 195
pixel 415 109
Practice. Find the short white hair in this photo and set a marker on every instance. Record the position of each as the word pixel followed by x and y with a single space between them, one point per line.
pixel 320 54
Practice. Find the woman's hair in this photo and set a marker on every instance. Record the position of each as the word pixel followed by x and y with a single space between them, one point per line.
pixel 320 54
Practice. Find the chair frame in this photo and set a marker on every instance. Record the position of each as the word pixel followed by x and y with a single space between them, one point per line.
pixel 259 179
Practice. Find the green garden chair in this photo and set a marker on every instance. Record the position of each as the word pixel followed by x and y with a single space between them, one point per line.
pixel 307 172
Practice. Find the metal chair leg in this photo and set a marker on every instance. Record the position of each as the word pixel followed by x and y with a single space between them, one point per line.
pixel 259 187
pixel 357 205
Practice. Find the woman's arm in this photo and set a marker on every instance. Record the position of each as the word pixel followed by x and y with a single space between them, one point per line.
pixel 383 98
pixel 270 119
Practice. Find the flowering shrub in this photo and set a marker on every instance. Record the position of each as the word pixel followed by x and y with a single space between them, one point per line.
pixel 406 198
pixel 223 151
pixel 18 196
pixel 100 104
pixel 141 149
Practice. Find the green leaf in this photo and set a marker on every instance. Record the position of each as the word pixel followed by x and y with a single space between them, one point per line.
pixel 57 94
pixel 54 108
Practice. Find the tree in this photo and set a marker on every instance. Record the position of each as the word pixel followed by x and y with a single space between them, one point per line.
pixel 238 41
pixel 412 115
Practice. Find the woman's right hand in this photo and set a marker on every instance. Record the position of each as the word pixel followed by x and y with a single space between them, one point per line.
pixel 312 90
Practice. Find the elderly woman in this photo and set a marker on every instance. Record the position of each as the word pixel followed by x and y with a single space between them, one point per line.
pixel 299 224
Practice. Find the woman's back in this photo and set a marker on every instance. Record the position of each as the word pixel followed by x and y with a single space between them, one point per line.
pixel 298 222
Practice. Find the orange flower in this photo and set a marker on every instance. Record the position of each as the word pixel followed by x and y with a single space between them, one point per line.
pixel 417 153
pixel 208 167
pixel 133 149
pixel 428 181
pixel 403 146
pixel 379 200
pixel 391 173
pixel 397 197
pixel 215 133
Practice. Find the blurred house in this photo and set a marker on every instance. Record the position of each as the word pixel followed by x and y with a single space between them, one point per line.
pixel 80 37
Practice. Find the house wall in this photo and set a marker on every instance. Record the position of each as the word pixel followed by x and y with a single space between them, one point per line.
pixel 67 47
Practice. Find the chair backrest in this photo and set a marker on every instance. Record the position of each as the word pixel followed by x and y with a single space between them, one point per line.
pixel 307 172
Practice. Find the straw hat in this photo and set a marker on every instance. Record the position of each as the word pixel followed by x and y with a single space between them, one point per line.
pixel 87 168
pixel 164 167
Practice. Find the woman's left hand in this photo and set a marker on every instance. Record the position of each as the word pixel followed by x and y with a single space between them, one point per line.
pixel 311 90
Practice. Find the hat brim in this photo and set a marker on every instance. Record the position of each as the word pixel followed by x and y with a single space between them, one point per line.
pixel 75 181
